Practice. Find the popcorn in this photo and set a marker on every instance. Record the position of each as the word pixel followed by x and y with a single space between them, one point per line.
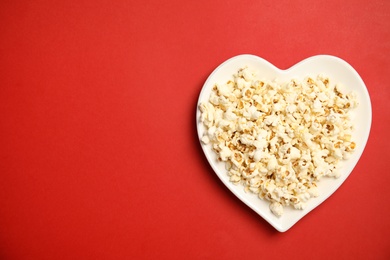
pixel 276 208
pixel 205 139
pixel 225 153
pixel 279 139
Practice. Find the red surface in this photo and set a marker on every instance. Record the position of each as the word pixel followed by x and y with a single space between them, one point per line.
pixel 99 157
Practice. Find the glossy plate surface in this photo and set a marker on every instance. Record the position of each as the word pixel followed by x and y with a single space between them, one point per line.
pixel 339 72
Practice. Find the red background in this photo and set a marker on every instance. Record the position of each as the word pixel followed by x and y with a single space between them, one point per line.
pixel 99 157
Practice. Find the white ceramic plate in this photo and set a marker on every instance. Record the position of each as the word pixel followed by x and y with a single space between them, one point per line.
pixel 338 71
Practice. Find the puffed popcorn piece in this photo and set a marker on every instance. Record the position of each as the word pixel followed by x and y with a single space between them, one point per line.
pixel 276 208
pixel 205 139
pixel 225 153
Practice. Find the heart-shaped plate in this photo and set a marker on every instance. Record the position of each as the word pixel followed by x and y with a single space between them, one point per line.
pixel 339 72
